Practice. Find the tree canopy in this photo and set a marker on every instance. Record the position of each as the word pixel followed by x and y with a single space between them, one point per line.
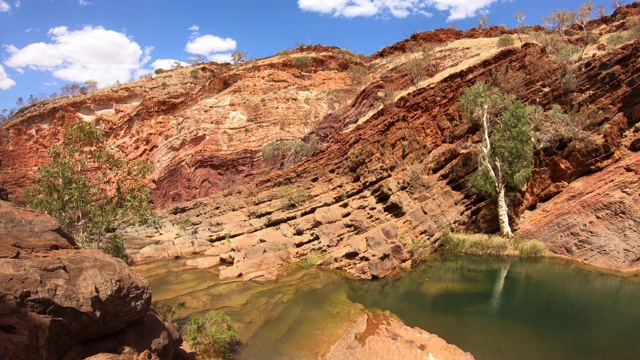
pixel 91 190
pixel 506 150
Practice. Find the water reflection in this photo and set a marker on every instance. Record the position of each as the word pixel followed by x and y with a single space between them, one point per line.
pixel 497 289
pixel 495 309
pixel 524 309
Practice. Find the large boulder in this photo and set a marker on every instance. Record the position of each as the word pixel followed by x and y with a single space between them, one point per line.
pixel 55 298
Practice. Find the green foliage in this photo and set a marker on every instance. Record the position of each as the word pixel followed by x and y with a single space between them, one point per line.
pixel 532 249
pixel 212 336
pixel 616 39
pixel 511 141
pixel 292 196
pixel 506 153
pixel 557 47
pixel 511 150
pixel 285 154
pixel 313 258
pixel 560 20
pixel 631 34
pixel 302 63
pixel 184 225
pixel 195 73
pixel 419 248
pixel 505 40
pixel 91 190
pixel 479 97
pixel 357 74
pixel 159 71
pixel 417 67
pixel 273 152
pixel 167 311
pixel 552 127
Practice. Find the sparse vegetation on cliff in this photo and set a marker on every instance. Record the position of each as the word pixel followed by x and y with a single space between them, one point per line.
pixel 505 40
pixel 91 190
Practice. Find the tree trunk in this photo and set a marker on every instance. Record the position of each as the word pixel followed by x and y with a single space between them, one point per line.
pixel 503 217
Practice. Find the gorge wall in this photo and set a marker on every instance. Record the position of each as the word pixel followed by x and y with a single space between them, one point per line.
pixel 395 160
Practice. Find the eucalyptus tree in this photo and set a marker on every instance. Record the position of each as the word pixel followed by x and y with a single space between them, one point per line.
pixel 506 150
pixel 91 190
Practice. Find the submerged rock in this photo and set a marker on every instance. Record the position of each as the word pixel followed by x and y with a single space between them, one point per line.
pixel 382 337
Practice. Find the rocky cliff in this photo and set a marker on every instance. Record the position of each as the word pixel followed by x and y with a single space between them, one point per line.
pixel 58 302
pixel 395 157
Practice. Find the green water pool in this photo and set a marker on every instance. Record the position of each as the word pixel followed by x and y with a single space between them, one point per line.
pixel 493 308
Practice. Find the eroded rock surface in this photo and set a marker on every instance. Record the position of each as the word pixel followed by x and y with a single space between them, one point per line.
pixel 395 160
pixel 382 337
pixel 596 219
pixel 59 302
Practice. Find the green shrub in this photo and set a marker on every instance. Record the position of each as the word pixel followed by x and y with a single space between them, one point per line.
pixel 631 34
pixel 159 71
pixel 313 258
pixel 302 62
pixel 288 153
pixel 195 73
pixel 92 190
pixel 505 40
pixel 532 249
pixel 475 244
pixel 489 246
pixel 357 74
pixel 166 311
pixel 616 39
pixel 212 336
pixel 273 152
pixel 292 196
pixel 419 249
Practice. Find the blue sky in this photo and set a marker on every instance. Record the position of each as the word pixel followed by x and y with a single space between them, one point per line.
pixel 46 44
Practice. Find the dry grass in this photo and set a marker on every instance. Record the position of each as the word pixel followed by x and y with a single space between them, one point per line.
pixel 491 245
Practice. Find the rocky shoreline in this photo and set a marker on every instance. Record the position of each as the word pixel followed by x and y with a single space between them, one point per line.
pixel 59 302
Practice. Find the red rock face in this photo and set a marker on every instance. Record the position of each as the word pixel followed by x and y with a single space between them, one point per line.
pixel 401 162
pixel 594 219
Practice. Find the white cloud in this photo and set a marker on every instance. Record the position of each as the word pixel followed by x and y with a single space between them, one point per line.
pixel 4 7
pixel 355 8
pixel 166 64
pixel 83 3
pixel 461 9
pixel 220 58
pixel 458 9
pixel 213 47
pixel 194 28
pixel 210 44
pixel 5 82
pixel 90 53
pixel 17 4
